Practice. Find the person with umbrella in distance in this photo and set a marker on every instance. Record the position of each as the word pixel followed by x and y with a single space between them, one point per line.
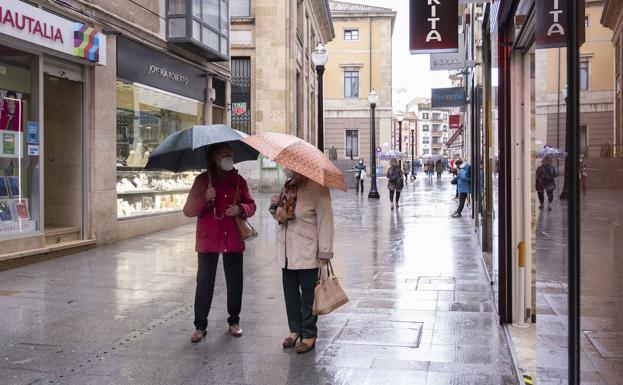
pixel 304 215
pixel 395 181
pixel 546 182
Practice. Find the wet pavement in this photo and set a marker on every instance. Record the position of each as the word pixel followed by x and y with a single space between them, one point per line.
pixel 601 291
pixel 420 312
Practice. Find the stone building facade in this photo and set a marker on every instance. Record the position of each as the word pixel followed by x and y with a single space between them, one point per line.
pixel 360 60
pixel 272 42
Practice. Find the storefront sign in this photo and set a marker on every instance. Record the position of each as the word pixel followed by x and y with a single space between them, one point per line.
pixel 448 97
pixel 434 26
pixel 448 61
pixel 551 23
pixel 454 121
pixel 239 109
pixel 141 64
pixel 32 24
pixel 22 226
pixel 32 129
pixel 33 150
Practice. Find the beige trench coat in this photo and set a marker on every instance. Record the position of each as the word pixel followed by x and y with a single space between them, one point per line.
pixel 309 236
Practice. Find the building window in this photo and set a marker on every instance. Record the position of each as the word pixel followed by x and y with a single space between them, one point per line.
pixel 352 143
pixel 445 128
pixel 425 151
pixel 445 116
pixel 584 75
pixel 436 151
pixel 240 8
pixel 200 24
pixel 445 140
pixel 426 140
pixel 241 94
pixel 436 127
pixel 351 34
pixel 351 84
pixel 425 127
pixel 586 21
pixel 437 116
pixel 435 140
pixel 425 115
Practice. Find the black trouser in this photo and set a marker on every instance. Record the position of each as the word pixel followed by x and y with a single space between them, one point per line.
pixel 438 175
pixel 206 275
pixel 360 183
pixel 550 196
pixel 298 290
pixel 391 195
pixel 462 198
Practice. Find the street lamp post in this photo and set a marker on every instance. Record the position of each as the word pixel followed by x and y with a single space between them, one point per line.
pixel 412 152
pixel 400 117
pixel 373 98
pixel 320 56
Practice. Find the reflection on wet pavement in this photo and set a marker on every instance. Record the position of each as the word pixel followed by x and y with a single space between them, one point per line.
pixel 420 309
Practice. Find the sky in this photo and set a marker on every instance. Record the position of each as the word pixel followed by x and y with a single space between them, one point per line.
pixel 411 73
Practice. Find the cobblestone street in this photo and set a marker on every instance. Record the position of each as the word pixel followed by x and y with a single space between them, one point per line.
pixel 420 310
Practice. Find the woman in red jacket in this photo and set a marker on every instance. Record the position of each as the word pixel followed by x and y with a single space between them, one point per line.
pixel 217 197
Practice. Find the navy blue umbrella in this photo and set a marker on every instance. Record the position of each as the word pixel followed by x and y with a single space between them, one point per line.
pixel 186 150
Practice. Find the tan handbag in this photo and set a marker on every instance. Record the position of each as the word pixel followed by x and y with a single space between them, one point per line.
pixel 247 232
pixel 328 294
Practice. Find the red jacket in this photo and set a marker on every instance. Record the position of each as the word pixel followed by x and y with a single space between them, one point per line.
pixel 218 235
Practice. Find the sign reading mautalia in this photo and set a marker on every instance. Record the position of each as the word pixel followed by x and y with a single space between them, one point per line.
pixel 448 97
pixel 434 26
pixel 551 23
pixel 34 25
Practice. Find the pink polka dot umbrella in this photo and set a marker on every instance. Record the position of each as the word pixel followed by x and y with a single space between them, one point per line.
pixel 299 156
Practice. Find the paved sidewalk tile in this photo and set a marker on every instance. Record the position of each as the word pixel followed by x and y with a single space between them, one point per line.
pixel 420 309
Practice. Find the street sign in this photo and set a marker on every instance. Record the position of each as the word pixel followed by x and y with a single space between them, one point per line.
pixel 448 97
pixel 239 108
pixel 433 26
pixel 448 61
pixel 455 121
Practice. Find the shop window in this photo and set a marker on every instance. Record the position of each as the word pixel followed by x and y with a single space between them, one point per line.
pixel 352 143
pixel 351 84
pixel 201 26
pixel 145 117
pixel 19 169
pixel 241 94
pixel 240 8
pixel 584 75
pixel 351 34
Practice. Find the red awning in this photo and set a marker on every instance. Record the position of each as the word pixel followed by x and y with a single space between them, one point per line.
pixel 455 136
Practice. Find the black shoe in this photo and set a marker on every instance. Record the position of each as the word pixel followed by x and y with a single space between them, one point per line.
pixel 456 215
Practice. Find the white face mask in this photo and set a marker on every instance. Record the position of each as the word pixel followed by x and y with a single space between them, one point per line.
pixel 361 162
pixel 288 173
pixel 227 163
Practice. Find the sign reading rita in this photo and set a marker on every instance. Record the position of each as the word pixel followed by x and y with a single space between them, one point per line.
pixel 433 26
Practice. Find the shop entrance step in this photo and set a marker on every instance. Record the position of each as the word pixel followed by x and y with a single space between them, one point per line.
pixel 54 234
pixel 22 258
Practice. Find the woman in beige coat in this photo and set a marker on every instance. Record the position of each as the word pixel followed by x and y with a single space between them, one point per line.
pixel 305 238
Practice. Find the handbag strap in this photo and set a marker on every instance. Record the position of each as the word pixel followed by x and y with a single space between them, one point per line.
pixel 330 272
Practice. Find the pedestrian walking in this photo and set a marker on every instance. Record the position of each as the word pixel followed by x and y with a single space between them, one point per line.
pixel 305 238
pixel 546 182
pixel 395 182
pixel 426 168
pixel 216 198
pixel 439 168
pixel 464 184
pixel 406 168
pixel 360 174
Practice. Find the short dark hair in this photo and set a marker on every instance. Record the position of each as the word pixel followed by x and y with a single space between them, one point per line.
pixel 459 162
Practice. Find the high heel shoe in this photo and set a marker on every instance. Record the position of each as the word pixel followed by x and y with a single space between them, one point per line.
pixel 291 342
pixel 305 347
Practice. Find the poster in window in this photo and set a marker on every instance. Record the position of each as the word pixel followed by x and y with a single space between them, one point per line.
pixel 5 211
pixel 21 209
pixel 10 111
pixel 10 144
pixel 13 184
pixel 4 189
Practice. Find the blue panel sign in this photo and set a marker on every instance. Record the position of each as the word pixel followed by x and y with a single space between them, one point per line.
pixel 448 97
pixel 32 130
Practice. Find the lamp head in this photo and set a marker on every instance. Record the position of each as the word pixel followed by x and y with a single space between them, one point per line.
pixel 373 98
pixel 400 117
pixel 320 56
